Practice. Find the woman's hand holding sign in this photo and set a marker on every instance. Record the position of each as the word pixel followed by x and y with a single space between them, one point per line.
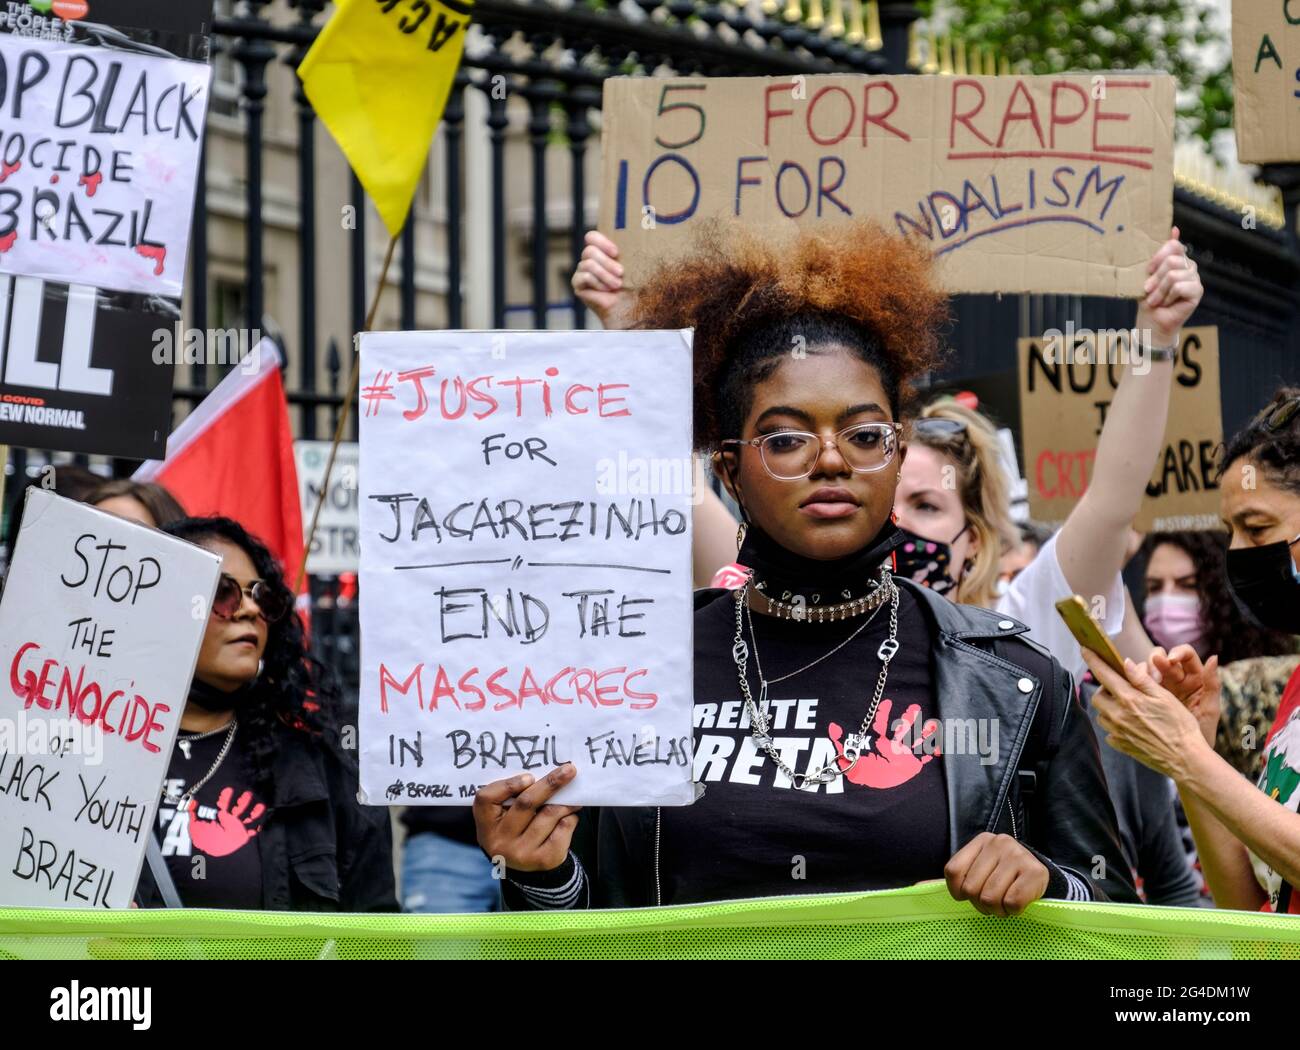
pixel 1173 290
pixel 516 823
pixel 598 281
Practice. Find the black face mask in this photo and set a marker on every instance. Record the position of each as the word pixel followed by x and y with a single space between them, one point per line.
pixel 1265 583
pixel 210 698
pixel 927 562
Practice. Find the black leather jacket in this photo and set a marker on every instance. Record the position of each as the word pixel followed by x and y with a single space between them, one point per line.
pixel 1046 787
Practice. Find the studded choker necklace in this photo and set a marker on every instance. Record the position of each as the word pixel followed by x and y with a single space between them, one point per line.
pixel 800 588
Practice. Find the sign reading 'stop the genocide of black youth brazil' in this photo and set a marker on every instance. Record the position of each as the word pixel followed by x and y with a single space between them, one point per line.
pixel 100 624
pixel 100 138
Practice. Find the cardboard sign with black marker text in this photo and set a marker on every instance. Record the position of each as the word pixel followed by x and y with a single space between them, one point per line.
pixel 1064 396
pixel 1266 80
pixel 1058 183
pixel 100 626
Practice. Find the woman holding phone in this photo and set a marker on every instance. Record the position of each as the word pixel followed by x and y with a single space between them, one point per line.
pixel 828 690
pixel 1165 711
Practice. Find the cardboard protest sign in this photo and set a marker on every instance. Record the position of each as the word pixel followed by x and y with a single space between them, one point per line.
pixel 334 548
pixel 526 564
pixel 1019 184
pixel 1266 80
pixel 100 626
pixel 1064 395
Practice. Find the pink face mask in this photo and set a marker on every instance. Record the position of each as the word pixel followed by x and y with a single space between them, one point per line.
pixel 1174 619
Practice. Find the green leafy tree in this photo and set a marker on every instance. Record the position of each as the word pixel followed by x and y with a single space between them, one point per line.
pixel 1047 36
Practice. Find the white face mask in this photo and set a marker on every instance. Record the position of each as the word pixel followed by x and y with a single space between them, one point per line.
pixel 1174 619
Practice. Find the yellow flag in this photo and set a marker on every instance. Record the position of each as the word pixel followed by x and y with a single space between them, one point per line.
pixel 378 76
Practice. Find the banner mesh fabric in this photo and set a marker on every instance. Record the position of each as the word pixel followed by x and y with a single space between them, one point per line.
pixel 919 922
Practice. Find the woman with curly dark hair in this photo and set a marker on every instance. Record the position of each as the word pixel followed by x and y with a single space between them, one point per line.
pixel 853 730
pixel 259 804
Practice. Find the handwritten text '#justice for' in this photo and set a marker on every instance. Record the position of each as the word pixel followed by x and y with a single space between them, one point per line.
pixel 425 391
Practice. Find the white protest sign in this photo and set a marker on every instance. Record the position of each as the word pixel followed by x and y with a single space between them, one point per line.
pixel 100 625
pixel 526 564
pixel 334 546
pixel 99 151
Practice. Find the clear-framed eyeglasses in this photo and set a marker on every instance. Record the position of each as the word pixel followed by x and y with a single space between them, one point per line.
pixel 789 455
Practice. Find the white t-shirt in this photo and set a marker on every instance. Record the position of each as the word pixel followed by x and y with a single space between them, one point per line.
pixel 1032 596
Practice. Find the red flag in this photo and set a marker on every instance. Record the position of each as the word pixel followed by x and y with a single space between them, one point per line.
pixel 233 456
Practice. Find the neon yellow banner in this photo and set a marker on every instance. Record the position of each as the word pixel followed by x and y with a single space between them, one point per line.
pixel 919 922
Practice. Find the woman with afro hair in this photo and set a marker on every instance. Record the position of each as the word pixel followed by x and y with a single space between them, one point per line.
pixel 853 730
pixel 259 806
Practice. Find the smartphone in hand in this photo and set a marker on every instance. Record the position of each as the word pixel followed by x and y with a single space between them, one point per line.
pixel 1087 631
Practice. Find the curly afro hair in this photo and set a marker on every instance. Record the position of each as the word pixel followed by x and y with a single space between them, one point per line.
pixel 751 299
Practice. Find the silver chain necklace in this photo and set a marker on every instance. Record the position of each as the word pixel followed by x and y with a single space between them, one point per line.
pixel 183 800
pixel 758 664
pixel 855 743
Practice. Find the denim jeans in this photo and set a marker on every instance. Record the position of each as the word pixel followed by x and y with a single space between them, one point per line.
pixel 442 875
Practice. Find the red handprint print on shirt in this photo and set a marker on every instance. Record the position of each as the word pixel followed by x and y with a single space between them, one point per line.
pixel 231 829
pixel 893 761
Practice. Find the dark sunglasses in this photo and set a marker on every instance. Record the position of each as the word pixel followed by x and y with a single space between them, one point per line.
pixel 1277 415
pixel 271 604
pixel 937 428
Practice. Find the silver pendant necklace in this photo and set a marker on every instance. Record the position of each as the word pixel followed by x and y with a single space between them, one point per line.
pixel 184 743
pixel 854 744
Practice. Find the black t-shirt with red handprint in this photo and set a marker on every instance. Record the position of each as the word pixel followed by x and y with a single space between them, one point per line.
pixel 881 825
pixel 210 847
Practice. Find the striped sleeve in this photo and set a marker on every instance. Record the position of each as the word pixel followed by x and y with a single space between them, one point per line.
pixel 1063 884
pixel 559 889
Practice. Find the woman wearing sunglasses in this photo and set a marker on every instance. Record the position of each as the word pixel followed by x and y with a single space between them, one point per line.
pixel 259 805
pixel 853 730
pixel 1165 711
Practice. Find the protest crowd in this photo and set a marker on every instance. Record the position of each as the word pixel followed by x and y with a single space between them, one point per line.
pixel 882 678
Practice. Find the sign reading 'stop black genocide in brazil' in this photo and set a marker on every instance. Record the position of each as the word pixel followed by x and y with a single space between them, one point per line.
pixel 101 129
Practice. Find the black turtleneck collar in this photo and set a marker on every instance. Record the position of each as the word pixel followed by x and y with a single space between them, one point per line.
pixel 820 582
pixel 210 698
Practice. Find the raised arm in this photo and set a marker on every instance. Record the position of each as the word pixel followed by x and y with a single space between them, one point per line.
pixel 598 282
pixel 1091 546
